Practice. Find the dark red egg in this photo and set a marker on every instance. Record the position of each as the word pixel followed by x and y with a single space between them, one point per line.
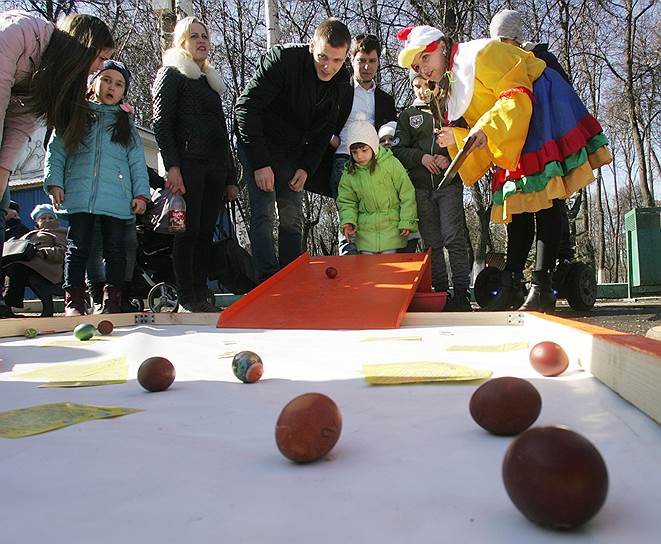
pixel 505 406
pixel 105 327
pixel 555 477
pixel 156 374
pixel 331 272
pixel 549 359
pixel 308 427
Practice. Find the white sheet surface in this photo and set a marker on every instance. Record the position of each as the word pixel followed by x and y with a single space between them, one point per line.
pixel 200 464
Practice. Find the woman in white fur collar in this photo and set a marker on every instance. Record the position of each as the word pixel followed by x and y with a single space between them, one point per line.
pixel 191 132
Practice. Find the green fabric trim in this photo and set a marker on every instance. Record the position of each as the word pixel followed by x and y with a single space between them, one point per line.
pixel 537 182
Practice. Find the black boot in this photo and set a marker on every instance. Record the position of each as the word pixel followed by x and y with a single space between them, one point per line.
pixel 95 292
pixel 541 297
pixel 460 301
pixel 112 300
pixel 74 301
pixel 510 294
pixel 44 291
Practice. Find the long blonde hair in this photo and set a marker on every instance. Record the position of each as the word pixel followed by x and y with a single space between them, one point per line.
pixel 181 33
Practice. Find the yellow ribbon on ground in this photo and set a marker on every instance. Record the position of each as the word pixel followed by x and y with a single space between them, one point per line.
pixel 421 372
pixel 49 417
pixel 512 346
pixel 109 371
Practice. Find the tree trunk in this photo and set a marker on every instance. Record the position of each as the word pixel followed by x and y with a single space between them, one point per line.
pixel 632 110
pixel 272 23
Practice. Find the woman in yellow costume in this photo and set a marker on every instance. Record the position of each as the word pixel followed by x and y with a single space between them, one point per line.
pixel 530 125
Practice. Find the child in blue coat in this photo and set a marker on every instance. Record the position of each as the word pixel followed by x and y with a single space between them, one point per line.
pixel 104 179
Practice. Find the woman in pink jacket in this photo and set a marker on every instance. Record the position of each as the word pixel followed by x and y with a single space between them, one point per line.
pixel 43 75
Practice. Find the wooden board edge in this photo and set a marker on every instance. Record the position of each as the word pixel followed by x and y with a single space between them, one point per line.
pixel 51 325
pixel 616 359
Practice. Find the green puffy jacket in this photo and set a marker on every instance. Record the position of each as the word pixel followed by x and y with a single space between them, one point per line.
pixel 379 204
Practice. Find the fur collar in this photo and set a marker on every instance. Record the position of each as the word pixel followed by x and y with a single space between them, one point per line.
pixel 179 59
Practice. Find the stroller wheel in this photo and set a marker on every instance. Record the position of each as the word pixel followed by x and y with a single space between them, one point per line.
pixel 163 297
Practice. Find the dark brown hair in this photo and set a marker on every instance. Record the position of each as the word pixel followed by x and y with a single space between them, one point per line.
pixel 56 91
pixel 334 32
pixel 365 43
pixel 351 166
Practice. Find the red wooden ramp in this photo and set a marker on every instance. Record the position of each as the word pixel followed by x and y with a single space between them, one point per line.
pixel 369 292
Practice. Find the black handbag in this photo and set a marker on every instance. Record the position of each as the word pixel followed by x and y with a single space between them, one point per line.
pixel 18 250
pixel 230 264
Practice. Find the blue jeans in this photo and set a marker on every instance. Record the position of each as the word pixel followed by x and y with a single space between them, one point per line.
pixel 336 173
pixel 96 269
pixel 262 218
pixel 80 239
pixel 384 252
pixel 347 246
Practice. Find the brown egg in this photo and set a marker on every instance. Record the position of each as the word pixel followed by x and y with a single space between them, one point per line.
pixel 156 374
pixel 105 327
pixel 549 359
pixel 308 427
pixel 331 272
pixel 505 406
pixel 555 477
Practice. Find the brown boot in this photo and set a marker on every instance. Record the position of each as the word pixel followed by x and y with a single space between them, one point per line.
pixel 74 301
pixel 112 300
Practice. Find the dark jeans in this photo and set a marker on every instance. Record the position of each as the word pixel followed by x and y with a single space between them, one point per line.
pixel 441 222
pixel 521 232
pixel 205 185
pixel 262 218
pixel 80 240
pixel 96 270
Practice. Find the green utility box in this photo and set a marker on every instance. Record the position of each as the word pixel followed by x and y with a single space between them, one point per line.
pixel 643 228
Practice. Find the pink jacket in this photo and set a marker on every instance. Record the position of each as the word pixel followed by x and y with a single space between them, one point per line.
pixel 23 39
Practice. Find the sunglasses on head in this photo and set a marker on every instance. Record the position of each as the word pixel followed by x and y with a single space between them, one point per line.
pixel 366 37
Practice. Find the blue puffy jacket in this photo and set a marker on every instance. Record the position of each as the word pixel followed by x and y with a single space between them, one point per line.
pixel 101 176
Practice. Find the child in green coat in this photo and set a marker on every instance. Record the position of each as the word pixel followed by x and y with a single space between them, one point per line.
pixel 376 199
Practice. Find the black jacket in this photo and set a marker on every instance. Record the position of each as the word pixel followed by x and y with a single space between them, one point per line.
pixel 541 51
pixel 384 112
pixel 286 113
pixel 189 122
pixel 415 138
pixel 384 108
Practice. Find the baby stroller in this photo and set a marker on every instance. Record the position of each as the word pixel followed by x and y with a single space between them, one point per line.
pixel 153 276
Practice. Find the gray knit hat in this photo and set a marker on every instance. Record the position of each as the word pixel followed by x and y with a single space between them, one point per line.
pixel 507 24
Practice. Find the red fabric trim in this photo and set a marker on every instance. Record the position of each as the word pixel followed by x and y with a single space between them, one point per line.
pixel 143 198
pixel 553 150
pixel 515 90
pixel 433 46
pixel 403 34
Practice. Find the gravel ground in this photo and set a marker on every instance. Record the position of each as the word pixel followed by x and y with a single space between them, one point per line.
pixel 635 316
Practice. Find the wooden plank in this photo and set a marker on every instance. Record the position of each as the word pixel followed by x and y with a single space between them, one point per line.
pixel 51 325
pixel 449 319
pixel 628 364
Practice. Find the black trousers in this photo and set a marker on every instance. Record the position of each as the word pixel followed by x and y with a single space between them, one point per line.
pixel 205 185
pixel 521 233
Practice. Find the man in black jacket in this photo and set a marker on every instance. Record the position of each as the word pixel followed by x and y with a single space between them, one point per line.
pixel 285 119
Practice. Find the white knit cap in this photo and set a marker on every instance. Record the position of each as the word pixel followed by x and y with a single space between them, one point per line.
pixel 362 131
pixel 507 24
pixel 416 40
pixel 388 129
